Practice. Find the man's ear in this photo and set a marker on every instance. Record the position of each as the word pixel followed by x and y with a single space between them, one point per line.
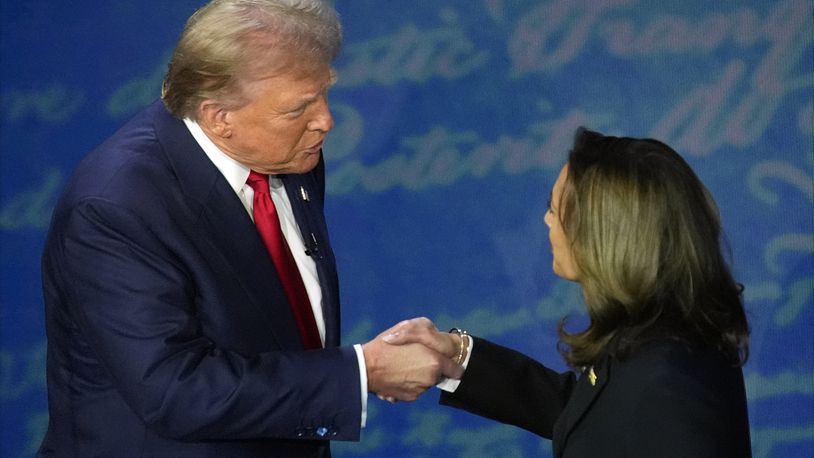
pixel 214 118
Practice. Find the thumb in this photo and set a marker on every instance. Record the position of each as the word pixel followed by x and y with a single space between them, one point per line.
pixel 395 337
pixel 394 334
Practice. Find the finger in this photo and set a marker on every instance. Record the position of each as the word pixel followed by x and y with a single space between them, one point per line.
pixel 425 322
pixel 434 340
pixel 429 324
pixel 395 328
pixel 418 324
pixel 410 334
pixel 395 338
pixel 396 335
pixel 403 333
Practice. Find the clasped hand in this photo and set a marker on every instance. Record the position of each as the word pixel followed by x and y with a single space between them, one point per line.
pixel 409 358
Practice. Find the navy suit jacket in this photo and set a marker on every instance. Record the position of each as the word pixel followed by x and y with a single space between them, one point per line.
pixel 665 400
pixel 169 333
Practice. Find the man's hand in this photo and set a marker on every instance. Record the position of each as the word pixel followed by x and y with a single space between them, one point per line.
pixel 421 330
pixel 404 372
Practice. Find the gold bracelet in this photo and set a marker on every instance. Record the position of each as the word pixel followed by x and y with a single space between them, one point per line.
pixel 461 333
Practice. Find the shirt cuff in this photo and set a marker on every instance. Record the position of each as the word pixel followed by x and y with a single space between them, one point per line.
pixel 451 384
pixel 360 357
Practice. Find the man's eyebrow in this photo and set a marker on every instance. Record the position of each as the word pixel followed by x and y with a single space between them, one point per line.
pixel 312 97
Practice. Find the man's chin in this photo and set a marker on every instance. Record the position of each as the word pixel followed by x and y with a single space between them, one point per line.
pixel 311 160
pixel 307 163
pixel 304 164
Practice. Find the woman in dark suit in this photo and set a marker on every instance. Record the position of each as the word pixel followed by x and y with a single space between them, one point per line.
pixel 659 363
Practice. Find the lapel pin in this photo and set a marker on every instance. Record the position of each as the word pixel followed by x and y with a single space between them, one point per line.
pixel 304 194
pixel 592 376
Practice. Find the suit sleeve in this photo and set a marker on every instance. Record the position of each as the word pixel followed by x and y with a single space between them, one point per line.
pixel 507 386
pixel 133 304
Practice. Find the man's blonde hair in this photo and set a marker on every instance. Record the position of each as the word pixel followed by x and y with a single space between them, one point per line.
pixel 229 43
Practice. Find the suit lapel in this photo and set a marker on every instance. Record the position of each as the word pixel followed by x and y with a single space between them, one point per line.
pixel 223 224
pixel 583 397
pixel 306 203
pixel 234 236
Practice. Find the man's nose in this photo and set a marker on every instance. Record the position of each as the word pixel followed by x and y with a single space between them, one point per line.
pixel 323 120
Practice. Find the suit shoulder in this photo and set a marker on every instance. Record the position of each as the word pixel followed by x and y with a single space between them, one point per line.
pixel 668 355
pixel 684 398
pixel 673 369
pixel 125 168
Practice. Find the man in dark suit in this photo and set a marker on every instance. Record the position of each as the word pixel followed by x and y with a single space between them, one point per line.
pixel 192 301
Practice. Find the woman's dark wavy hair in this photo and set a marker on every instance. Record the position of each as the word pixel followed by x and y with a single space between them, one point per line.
pixel 646 238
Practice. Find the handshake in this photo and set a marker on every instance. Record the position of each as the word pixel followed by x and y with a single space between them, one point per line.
pixel 409 358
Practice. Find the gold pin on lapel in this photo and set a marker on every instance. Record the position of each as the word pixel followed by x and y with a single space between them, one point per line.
pixel 592 376
pixel 304 194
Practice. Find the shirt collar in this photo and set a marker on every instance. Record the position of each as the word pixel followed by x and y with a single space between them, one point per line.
pixel 235 173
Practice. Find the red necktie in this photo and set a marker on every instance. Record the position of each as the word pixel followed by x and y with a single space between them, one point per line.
pixel 268 225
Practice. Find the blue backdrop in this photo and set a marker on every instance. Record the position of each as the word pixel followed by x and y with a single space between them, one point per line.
pixel 453 119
